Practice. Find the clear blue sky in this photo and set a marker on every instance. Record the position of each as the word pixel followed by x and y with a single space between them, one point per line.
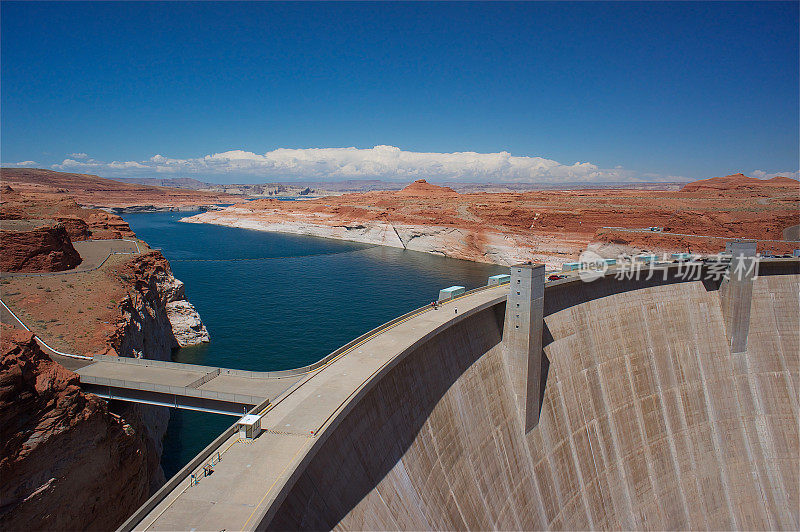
pixel 689 89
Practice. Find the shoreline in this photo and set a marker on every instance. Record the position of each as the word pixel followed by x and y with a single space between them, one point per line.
pixel 154 208
pixel 454 242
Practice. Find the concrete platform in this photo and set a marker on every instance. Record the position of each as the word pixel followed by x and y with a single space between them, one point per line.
pixel 267 388
pixel 148 374
pixel 188 386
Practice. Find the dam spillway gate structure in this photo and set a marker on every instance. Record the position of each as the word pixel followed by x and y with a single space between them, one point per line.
pixel 648 420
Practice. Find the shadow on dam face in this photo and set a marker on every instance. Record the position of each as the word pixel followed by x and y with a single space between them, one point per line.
pixel 367 449
pixel 648 421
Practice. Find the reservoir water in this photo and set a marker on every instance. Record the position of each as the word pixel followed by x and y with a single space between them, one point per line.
pixel 274 301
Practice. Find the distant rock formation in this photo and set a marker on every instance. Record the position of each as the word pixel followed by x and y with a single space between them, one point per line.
pixel 738 182
pixel 420 187
pixel 552 226
pixel 92 190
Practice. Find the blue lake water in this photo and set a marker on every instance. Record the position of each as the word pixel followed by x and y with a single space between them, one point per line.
pixel 273 301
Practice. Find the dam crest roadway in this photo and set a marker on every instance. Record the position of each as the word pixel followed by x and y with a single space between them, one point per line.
pixel 375 433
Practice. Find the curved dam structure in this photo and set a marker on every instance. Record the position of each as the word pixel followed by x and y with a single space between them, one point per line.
pixel 647 416
pixel 647 422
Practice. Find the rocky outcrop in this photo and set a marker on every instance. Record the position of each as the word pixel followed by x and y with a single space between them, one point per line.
pixel 155 317
pixel 61 444
pixel 421 187
pixel 187 327
pixel 77 228
pixel 67 462
pixel 30 202
pixel 43 249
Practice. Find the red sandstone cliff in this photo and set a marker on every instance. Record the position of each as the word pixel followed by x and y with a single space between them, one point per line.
pixel 58 443
pixel 44 203
pixel 42 249
pixel 38 229
pixel 123 311
pixel 66 461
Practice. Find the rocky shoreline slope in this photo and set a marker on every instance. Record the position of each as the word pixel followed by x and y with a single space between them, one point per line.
pixel 70 460
pixel 455 242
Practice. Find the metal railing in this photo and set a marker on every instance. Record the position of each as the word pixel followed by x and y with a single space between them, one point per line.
pixel 38 339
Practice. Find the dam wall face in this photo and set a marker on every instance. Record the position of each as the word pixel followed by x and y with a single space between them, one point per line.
pixel 648 421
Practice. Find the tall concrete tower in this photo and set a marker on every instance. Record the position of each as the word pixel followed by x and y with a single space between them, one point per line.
pixel 522 339
pixel 736 293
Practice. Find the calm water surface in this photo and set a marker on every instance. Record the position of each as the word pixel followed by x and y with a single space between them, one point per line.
pixel 272 301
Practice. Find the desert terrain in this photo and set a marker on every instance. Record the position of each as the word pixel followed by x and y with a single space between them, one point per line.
pixel 552 226
pixel 93 191
pixel 82 282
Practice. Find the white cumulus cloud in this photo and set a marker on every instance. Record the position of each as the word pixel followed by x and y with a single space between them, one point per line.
pixel 761 174
pixel 380 162
pixel 22 164
pixel 79 155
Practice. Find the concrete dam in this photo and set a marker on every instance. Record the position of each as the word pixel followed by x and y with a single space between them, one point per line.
pixel 640 412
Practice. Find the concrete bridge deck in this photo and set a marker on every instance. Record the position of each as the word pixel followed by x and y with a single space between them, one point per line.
pixel 171 384
pixel 249 476
pixel 187 386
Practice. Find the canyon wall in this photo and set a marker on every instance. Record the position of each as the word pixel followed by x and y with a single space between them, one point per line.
pixel 70 460
pixel 67 461
pixel 61 444
pixel 648 421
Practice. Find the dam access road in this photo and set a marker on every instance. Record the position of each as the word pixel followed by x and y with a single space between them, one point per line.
pixel 651 417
